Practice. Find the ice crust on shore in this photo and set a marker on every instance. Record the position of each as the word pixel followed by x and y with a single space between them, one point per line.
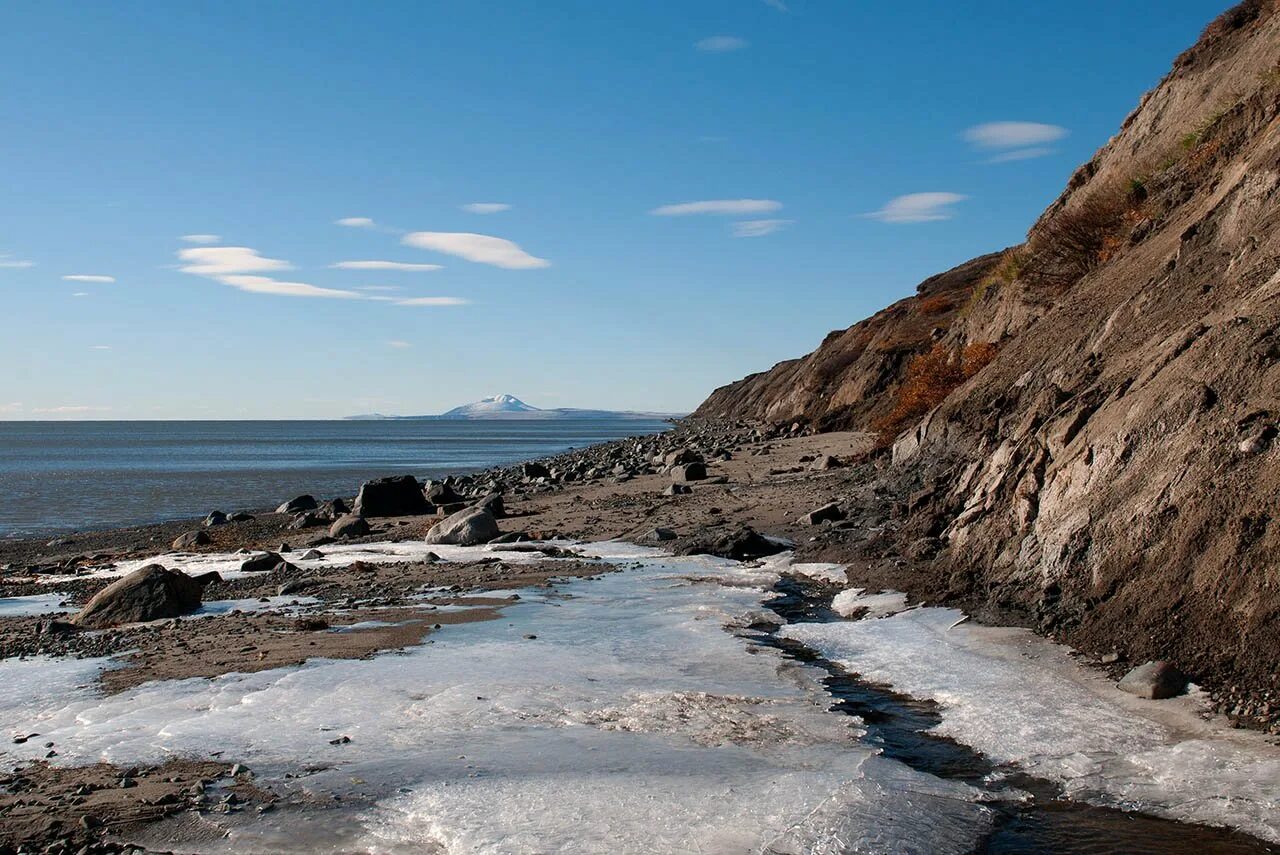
pixel 633 722
pixel 1021 699
pixel 35 604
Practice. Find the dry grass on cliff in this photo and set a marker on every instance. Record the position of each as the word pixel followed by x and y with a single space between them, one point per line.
pixel 930 378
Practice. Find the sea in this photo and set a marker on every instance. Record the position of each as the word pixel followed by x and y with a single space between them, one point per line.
pixel 60 477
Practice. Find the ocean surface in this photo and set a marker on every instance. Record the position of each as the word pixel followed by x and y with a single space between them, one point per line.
pixel 79 476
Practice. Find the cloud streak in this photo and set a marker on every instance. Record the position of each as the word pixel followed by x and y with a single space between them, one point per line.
pixel 204 239
pixel 384 265
pixel 9 262
pixel 758 228
pixel 267 285
pixel 88 277
pixel 486 207
pixel 355 222
pixel 721 44
pixel 724 207
pixel 917 208
pixel 221 260
pixel 481 249
pixel 995 135
pixel 433 301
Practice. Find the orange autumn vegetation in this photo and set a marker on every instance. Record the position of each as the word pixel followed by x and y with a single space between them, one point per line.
pixel 930 378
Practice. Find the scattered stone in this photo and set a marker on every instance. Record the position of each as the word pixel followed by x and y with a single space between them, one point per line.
pixel 395 496
pixel 658 535
pixel 149 593
pixel 298 505
pixel 310 624
pixel 1156 680
pixel 351 525
pixel 827 513
pixel 310 519
pixel 689 472
pixel 677 490
pixel 242 516
pixel 215 518
pixel 826 463
pixel 741 544
pixel 469 527
pixel 493 504
pixel 191 539
pixel 312 555
pixel 261 563
pixel 441 494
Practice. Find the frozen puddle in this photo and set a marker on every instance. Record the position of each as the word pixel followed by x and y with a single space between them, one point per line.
pixel 37 604
pixel 631 721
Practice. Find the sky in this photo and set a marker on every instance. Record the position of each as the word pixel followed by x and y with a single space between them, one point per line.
pixel 317 209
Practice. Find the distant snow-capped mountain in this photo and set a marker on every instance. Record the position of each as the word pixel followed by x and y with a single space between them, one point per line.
pixel 496 406
pixel 511 407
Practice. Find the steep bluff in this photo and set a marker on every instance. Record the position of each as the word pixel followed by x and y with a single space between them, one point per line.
pixel 1113 469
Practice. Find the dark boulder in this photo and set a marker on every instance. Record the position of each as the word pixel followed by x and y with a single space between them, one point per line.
pixel 261 563
pixel 442 494
pixel 241 516
pixel 533 470
pixel 1156 680
pixel 215 518
pixel 309 519
pixel 741 545
pixel 817 516
pixel 494 505
pixel 298 504
pixel 396 496
pixel 350 525
pixel 149 593
pixel 677 490
pixel 684 455
pixel 689 472
pixel 199 537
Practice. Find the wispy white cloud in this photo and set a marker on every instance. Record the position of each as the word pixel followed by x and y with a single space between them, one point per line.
pixel 80 294
pixel 778 4
pixel 721 44
pixel 11 407
pixel 355 222
pixel 202 238
pixel 433 301
pixel 380 288
pixel 69 409
pixel 220 260
pixel 384 265
pixel 1014 140
pixel 1020 154
pixel 482 249
pixel 398 344
pixel 728 207
pixel 88 277
pixel 758 228
pixel 917 208
pixel 1013 134
pixel 267 285
pixel 8 261
pixel 486 207
pixel 99 347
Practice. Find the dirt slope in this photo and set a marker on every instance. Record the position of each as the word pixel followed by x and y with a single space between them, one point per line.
pixel 1114 469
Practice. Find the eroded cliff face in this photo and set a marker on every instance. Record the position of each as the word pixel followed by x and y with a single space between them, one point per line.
pixel 1115 470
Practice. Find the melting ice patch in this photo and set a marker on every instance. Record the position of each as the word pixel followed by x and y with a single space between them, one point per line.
pixel 37 604
pixel 632 722
pixel 1021 699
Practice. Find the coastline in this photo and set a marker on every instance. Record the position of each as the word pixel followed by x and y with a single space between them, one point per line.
pixel 767 479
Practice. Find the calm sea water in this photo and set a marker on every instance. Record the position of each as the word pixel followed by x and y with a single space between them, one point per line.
pixel 77 476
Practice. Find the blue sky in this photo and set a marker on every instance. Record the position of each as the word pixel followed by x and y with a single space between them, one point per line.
pixel 202 156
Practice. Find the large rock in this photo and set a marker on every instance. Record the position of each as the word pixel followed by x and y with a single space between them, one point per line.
pixel 298 504
pixel 442 494
pixel 493 504
pixel 469 527
pixel 261 563
pixel 1156 680
pixel 396 496
pixel 215 518
pixel 149 593
pixel 684 455
pixel 199 537
pixel 350 525
pixel 689 472
pixel 820 515
pixel 533 470
pixel 740 545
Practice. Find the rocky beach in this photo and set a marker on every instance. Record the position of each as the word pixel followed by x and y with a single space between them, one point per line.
pixel 399 563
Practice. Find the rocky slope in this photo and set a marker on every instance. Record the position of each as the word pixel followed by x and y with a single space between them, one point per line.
pixel 1113 470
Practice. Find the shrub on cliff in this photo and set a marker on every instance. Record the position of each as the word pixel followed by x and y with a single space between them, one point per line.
pixel 930 378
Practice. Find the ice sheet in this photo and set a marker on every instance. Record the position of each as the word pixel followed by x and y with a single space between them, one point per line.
pixel 633 722
pixel 36 604
pixel 1021 699
pixel 855 600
